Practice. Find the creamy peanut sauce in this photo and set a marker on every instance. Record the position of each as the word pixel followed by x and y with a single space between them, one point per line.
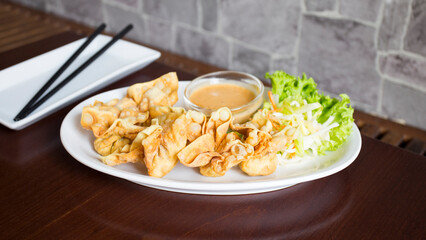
pixel 221 95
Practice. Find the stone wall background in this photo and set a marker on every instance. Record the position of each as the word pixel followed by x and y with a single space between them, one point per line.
pixel 373 50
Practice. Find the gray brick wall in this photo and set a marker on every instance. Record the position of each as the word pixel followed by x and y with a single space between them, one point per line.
pixel 373 50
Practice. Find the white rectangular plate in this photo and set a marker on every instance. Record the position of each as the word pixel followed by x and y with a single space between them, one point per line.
pixel 19 83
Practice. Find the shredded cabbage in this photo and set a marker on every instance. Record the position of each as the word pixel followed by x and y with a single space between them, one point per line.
pixel 313 122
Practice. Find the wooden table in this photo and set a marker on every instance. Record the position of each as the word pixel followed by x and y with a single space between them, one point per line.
pixel 46 194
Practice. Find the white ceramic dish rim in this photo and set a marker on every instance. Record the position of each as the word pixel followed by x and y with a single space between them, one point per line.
pixel 189 186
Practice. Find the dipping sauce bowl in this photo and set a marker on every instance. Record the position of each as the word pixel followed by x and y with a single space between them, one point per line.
pixel 241 92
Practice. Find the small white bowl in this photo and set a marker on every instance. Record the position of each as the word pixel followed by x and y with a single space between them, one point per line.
pixel 242 113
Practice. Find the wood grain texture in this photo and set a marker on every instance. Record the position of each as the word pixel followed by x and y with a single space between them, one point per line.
pixel 406 131
pixel 393 138
pixel 416 145
pixel 19 54
pixel 370 130
pixel 49 191
pixel 20 26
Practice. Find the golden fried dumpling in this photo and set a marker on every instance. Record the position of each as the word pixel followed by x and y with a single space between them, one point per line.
pixel 218 124
pixel 125 102
pixel 130 109
pixel 204 136
pixel 156 111
pixel 151 143
pixel 216 150
pixel 98 117
pixel 195 124
pixel 231 152
pixel 217 167
pixel 138 149
pixel 127 154
pixel 201 147
pixel 166 119
pixel 161 147
pixel 134 116
pixel 122 145
pixel 120 158
pixel 264 160
pixel 112 144
pixel 257 138
pixel 260 121
pixel 127 127
pixel 199 152
pixel 161 91
pixel 261 165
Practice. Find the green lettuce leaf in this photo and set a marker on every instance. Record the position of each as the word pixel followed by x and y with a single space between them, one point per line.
pixel 343 115
pixel 289 88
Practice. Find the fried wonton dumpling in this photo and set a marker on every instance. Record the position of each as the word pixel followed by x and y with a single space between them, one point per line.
pixel 264 160
pixel 260 121
pixel 125 102
pixel 127 127
pixel 160 92
pixel 156 111
pixel 231 152
pixel 218 124
pixel 151 143
pixel 122 145
pixel 98 117
pixel 166 119
pixel 217 150
pixel 195 124
pixel 261 165
pixel 112 144
pixel 133 153
pixel 201 146
pixel 161 147
pixel 204 136
pixel 120 158
pixel 257 138
pixel 199 152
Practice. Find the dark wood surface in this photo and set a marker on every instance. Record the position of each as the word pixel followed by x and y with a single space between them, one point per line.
pixel 46 194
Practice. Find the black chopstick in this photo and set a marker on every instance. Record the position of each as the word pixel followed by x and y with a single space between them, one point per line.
pixel 60 71
pixel 76 72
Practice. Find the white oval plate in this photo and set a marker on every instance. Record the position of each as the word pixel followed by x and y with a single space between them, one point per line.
pixel 79 143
